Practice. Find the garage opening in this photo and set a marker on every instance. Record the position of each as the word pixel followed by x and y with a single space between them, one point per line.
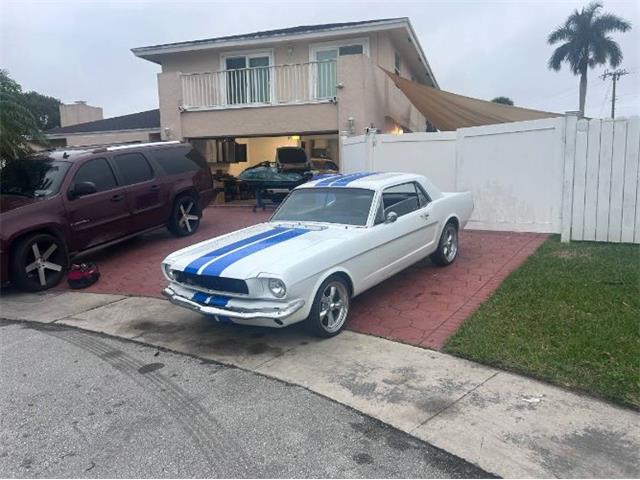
pixel 229 157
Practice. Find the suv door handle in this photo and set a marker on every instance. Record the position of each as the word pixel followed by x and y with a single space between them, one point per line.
pixel 154 188
pixel 117 197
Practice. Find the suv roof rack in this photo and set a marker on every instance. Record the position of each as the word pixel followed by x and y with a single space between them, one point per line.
pixel 135 145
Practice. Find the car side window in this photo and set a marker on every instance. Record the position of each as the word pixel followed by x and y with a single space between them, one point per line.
pixel 423 198
pixel 401 199
pixel 133 167
pixel 97 171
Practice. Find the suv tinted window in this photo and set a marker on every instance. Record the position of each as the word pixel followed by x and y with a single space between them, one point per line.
pixel 134 168
pixel 99 172
pixel 179 160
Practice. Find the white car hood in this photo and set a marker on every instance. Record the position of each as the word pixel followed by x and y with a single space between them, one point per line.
pixel 264 248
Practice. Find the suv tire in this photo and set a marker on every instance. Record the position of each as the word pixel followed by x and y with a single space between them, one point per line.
pixel 185 216
pixel 39 262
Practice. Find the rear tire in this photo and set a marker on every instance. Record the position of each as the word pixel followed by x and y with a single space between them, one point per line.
pixel 330 307
pixel 185 216
pixel 447 247
pixel 38 262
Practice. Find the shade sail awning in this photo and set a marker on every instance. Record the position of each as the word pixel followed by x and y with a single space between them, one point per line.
pixel 449 111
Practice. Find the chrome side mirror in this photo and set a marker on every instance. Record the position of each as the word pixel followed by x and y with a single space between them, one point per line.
pixel 390 217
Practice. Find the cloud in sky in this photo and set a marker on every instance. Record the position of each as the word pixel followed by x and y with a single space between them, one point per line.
pixel 80 50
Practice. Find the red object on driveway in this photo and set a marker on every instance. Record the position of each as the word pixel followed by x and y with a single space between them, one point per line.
pixel 422 305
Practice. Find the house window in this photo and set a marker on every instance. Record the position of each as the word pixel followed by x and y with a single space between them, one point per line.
pixel 324 57
pixel 397 63
pixel 248 79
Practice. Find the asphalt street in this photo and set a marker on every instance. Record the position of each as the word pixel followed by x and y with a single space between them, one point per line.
pixel 78 404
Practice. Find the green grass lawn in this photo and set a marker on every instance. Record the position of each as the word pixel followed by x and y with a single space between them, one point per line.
pixel 570 314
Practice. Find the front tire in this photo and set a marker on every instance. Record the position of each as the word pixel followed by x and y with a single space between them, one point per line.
pixel 330 307
pixel 185 216
pixel 447 247
pixel 38 262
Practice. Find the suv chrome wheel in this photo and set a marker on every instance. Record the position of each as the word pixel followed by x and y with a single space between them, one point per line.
pixel 38 262
pixel 185 217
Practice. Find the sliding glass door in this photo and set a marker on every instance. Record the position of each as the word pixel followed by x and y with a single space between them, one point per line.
pixel 248 79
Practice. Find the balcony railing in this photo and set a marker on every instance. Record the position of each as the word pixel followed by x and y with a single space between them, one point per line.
pixel 257 86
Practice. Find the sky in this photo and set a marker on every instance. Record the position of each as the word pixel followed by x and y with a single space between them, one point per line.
pixel 80 50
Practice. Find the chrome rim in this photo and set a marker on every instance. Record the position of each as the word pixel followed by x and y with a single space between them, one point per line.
pixel 42 252
pixel 450 245
pixel 187 219
pixel 334 306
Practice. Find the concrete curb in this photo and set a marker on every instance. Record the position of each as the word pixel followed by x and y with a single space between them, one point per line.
pixel 505 423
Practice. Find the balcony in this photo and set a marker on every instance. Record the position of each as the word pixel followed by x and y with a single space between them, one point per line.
pixel 303 83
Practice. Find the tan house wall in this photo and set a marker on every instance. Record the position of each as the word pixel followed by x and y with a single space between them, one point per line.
pixel 106 138
pixel 75 113
pixel 368 95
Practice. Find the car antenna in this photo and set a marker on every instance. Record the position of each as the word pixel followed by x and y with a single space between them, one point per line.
pixel 65 155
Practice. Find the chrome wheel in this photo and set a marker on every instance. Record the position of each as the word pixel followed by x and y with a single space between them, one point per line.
pixel 42 253
pixel 334 306
pixel 187 219
pixel 450 244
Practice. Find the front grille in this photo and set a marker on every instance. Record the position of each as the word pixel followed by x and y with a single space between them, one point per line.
pixel 219 284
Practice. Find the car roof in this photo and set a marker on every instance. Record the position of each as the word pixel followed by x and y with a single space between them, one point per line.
pixel 70 154
pixel 368 180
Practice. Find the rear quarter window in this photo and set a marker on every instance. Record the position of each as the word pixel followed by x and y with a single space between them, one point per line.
pixel 179 160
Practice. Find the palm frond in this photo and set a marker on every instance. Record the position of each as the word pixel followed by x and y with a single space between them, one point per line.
pixel 607 22
pixel 559 56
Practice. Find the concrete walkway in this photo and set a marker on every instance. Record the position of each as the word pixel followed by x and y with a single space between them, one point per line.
pixel 507 424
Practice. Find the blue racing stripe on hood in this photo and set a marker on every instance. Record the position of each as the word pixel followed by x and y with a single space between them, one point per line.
pixel 195 265
pixel 217 266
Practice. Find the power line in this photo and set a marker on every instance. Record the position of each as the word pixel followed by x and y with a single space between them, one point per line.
pixel 615 76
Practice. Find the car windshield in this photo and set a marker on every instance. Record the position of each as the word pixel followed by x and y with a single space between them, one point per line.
pixel 33 177
pixel 348 206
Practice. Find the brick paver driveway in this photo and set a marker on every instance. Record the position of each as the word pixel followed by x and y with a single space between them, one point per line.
pixel 423 305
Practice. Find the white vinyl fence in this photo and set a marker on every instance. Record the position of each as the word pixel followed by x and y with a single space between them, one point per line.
pixel 558 175
pixel 602 177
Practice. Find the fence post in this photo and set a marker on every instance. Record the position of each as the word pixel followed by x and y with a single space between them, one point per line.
pixel 570 129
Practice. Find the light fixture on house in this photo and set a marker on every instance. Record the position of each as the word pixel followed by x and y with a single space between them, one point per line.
pixel 351 122
pixel 294 137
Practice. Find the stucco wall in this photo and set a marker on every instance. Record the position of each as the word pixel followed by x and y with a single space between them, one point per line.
pixel 75 113
pixel 106 138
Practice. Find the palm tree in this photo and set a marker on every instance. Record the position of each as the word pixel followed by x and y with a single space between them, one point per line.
pixel 587 43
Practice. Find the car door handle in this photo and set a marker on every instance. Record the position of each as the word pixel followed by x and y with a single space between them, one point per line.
pixel 155 188
pixel 425 216
pixel 117 197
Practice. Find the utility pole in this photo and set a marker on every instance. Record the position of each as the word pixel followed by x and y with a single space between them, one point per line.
pixel 615 76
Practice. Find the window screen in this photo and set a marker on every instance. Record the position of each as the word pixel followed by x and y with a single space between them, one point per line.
pixel 134 168
pixel 98 172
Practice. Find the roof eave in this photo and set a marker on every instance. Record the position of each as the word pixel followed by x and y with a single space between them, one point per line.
pixel 148 53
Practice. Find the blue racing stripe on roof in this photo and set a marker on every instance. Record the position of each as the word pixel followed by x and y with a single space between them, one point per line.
pixel 328 180
pixel 217 266
pixel 342 182
pixel 196 264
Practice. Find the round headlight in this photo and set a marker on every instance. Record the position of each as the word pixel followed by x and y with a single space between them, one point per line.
pixel 277 287
pixel 168 272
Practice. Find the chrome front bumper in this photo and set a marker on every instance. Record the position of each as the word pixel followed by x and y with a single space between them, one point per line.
pixel 241 313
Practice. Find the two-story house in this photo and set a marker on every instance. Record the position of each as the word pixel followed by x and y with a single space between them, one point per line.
pixel 302 86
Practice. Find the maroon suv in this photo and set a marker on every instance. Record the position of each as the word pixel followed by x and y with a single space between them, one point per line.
pixel 58 204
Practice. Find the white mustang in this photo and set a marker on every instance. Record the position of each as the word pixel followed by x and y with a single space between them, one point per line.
pixel 330 240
